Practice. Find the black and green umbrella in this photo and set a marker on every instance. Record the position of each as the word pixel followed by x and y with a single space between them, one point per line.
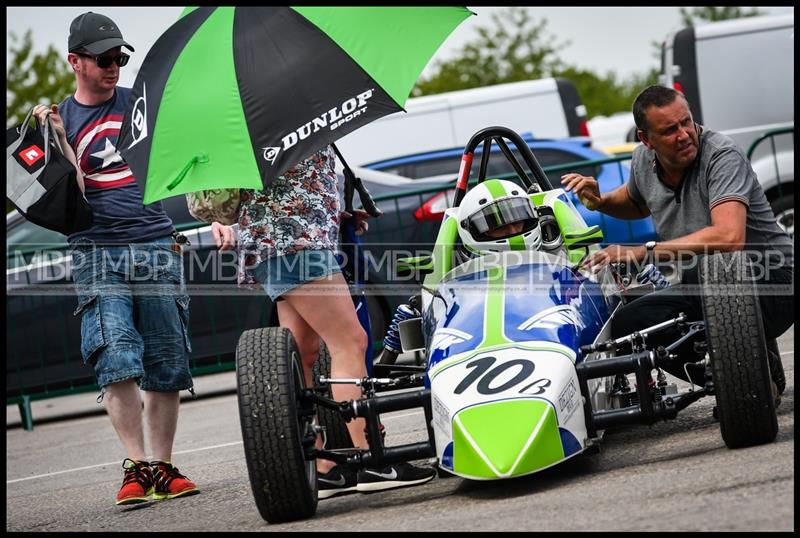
pixel 235 96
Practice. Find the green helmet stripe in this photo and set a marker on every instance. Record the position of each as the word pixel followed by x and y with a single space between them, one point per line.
pixel 495 188
pixel 517 242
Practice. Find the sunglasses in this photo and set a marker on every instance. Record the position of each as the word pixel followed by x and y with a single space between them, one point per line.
pixel 105 61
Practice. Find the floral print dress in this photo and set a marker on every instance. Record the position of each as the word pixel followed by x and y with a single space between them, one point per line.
pixel 297 211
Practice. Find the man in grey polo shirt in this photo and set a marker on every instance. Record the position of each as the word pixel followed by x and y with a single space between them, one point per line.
pixel 703 196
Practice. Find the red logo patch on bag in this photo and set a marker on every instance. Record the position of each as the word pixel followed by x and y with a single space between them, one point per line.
pixel 31 155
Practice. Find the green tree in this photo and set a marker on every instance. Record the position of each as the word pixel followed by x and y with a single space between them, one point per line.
pixel 712 13
pixel 605 95
pixel 515 47
pixel 34 78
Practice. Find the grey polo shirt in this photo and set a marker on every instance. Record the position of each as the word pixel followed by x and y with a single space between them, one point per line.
pixel 721 172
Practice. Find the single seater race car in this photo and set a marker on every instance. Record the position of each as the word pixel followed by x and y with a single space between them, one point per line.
pixel 521 372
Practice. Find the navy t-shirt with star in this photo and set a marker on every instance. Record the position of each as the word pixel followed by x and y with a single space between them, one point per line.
pixel 111 189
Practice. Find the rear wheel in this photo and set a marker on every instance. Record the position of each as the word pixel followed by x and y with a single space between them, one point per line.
pixel 276 424
pixel 738 351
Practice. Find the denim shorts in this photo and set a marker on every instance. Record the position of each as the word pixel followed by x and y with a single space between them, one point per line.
pixel 281 274
pixel 135 313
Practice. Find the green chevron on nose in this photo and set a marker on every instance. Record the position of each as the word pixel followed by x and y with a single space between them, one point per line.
pixel 489 440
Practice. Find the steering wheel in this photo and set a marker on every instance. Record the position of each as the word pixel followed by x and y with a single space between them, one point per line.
pixel 499 136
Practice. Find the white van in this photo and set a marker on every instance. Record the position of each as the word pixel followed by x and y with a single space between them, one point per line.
pixel 547 108
pixel 738 76
pixel 611 131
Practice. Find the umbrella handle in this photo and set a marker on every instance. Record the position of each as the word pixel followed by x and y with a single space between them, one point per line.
pixel 366 198
pixel 353 183
pixel 348 194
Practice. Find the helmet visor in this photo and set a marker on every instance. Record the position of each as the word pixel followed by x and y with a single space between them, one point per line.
pixel 487 223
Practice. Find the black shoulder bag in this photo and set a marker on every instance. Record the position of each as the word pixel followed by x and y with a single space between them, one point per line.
pixel 41 181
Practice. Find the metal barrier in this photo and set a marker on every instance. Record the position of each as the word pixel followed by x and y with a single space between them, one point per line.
pixel 769 135
pixel 772 158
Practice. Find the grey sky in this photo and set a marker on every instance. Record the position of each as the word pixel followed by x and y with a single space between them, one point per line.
pixel 603 39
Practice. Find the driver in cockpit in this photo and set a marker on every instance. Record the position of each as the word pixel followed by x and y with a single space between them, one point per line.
pixel 498 215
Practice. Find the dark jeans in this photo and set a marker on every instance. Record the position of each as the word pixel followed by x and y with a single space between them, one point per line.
pixel 777 314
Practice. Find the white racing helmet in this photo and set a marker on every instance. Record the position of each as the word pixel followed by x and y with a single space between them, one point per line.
pixel 498 215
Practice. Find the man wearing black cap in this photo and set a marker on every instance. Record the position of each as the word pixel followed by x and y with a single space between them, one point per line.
pixel 127 269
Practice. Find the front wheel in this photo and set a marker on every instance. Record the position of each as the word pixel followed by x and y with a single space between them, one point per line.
pixel 738 351
pixel 277 424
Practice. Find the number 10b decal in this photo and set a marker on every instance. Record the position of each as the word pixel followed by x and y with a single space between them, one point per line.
pixel 484 374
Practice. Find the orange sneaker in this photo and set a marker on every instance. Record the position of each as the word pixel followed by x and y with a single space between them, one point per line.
pixel 169 482
pixel 137 485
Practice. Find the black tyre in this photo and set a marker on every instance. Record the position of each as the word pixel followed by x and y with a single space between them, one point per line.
pixel 275 420
pixel 738 351
pixel 336 434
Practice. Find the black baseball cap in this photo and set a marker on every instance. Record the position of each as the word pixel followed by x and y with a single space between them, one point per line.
pixel 94 33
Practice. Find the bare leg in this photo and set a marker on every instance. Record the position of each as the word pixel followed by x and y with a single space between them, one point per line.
pixel 124 406
pixel 308 344
pixel 161 410
pixel 328 311
pixel 308 341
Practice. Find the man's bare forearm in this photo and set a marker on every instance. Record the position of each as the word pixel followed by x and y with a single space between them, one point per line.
pixel 618 203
